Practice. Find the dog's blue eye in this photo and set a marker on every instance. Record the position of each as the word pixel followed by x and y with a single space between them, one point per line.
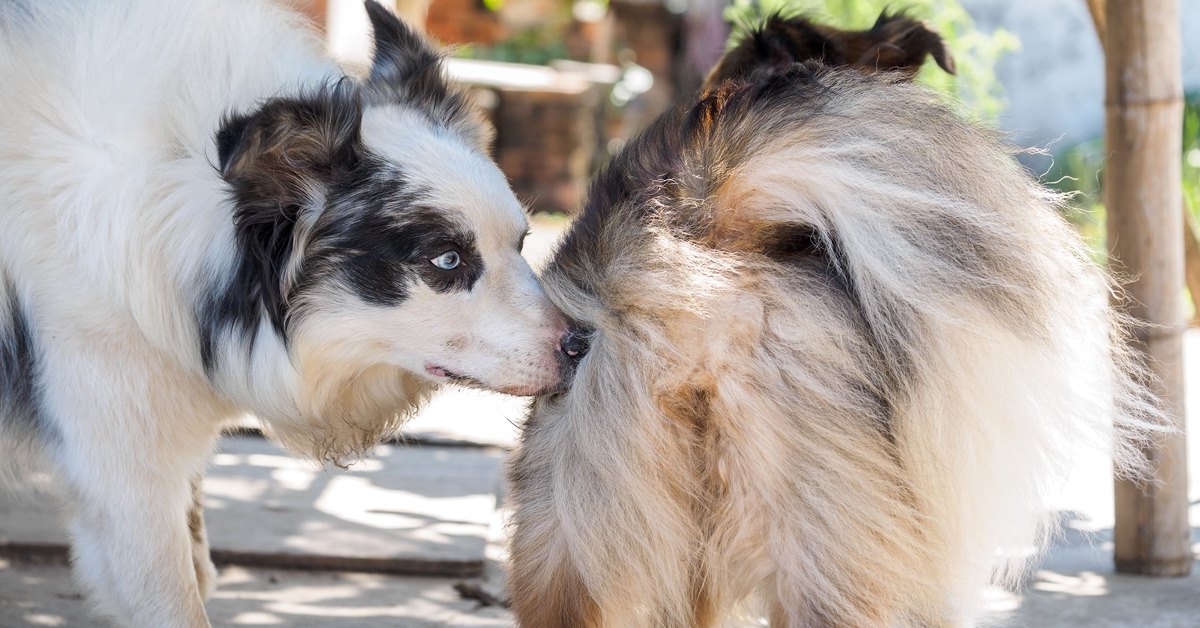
pixel 447 261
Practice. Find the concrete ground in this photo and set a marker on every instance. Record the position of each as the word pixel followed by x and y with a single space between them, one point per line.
pixel 1076 587
pixel 385 543
pixel 44 595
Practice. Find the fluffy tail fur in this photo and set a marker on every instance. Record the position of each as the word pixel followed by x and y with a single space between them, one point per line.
pixel 843 350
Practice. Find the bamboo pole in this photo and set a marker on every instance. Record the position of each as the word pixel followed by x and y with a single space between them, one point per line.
pixel 1144 108
pixel 1191 232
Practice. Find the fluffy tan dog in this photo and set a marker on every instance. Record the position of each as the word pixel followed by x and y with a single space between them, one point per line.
pixel 842 347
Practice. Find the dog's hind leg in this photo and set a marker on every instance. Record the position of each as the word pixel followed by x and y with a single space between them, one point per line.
pixel 589 552
pixel 206 572
pixel 548 593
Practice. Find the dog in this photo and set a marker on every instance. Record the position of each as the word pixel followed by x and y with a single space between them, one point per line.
pixel 202 216
pixel 840 347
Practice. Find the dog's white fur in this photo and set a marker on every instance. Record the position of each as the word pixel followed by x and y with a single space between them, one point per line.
pixel 115 223
pixel 846 436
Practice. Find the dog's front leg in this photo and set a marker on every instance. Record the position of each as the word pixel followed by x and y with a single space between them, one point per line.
pixel 133 552
pixel 127 450
pixel 206 572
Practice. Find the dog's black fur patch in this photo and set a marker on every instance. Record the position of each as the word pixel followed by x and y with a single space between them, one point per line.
pixel 273 159
pixel 381 237
pixel 19 401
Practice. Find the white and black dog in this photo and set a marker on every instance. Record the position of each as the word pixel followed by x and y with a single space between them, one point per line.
pixel 200 216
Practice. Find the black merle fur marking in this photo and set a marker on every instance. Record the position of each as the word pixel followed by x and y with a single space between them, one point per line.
pixel 273 159
pixel 379 237
pixel 19 369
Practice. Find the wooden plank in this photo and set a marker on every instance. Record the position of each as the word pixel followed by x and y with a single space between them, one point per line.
pixel 1144 107
pixel 46 595
pixel 406 510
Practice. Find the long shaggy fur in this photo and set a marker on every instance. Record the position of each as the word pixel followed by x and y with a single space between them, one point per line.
pixel 842 349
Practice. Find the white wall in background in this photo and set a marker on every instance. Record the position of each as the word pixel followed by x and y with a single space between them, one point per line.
pixel 1055 83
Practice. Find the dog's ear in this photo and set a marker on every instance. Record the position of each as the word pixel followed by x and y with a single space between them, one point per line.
pixel 272 157
pixel 407 68
pixel 275 159
pixel 405 65
pixel 895 43
pixel 900 43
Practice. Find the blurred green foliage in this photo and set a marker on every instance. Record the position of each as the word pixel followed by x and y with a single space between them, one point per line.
pixel 538 45
pixel 1191 154
pixel 1078 170
pixel 975 90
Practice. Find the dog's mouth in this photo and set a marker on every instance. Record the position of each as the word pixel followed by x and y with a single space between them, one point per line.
pixel 443 372
pixel 470 382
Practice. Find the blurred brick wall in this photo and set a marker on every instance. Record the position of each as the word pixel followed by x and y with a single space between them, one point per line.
pixel 315 10
pixel 464 22
pixel 548 138
pixel 653 35
pixel 544 144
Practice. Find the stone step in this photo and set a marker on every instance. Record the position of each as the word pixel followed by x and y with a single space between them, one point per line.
pixel 421 510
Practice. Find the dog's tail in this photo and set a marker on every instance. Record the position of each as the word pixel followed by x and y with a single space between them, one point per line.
pixel 895 43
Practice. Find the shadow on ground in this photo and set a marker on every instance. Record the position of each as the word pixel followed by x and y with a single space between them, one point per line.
pixel 45 595
pixel 1077 586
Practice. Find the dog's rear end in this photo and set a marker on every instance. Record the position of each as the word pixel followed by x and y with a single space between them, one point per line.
pixel 841 347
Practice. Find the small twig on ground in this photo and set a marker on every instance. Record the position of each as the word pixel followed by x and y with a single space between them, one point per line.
pixel 473 591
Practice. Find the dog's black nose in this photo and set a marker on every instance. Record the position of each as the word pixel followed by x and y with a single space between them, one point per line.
pixel 574 344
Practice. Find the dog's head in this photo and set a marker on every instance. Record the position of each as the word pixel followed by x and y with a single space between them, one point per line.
pixel 378 240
